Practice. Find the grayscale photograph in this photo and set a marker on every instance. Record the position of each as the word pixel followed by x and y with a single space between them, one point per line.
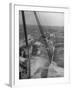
pixel 41 44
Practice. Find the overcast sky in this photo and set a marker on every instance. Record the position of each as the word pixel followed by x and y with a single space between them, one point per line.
pixel 45 18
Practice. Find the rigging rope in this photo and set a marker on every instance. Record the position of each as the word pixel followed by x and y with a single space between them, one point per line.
pixel 27 46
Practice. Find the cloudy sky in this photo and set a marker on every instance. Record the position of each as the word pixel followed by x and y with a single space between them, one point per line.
pixel 45 18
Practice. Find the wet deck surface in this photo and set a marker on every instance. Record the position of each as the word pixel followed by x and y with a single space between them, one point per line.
pixel 40 64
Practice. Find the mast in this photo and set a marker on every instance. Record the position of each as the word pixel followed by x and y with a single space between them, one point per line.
pixel 27 46
pixel 42 33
